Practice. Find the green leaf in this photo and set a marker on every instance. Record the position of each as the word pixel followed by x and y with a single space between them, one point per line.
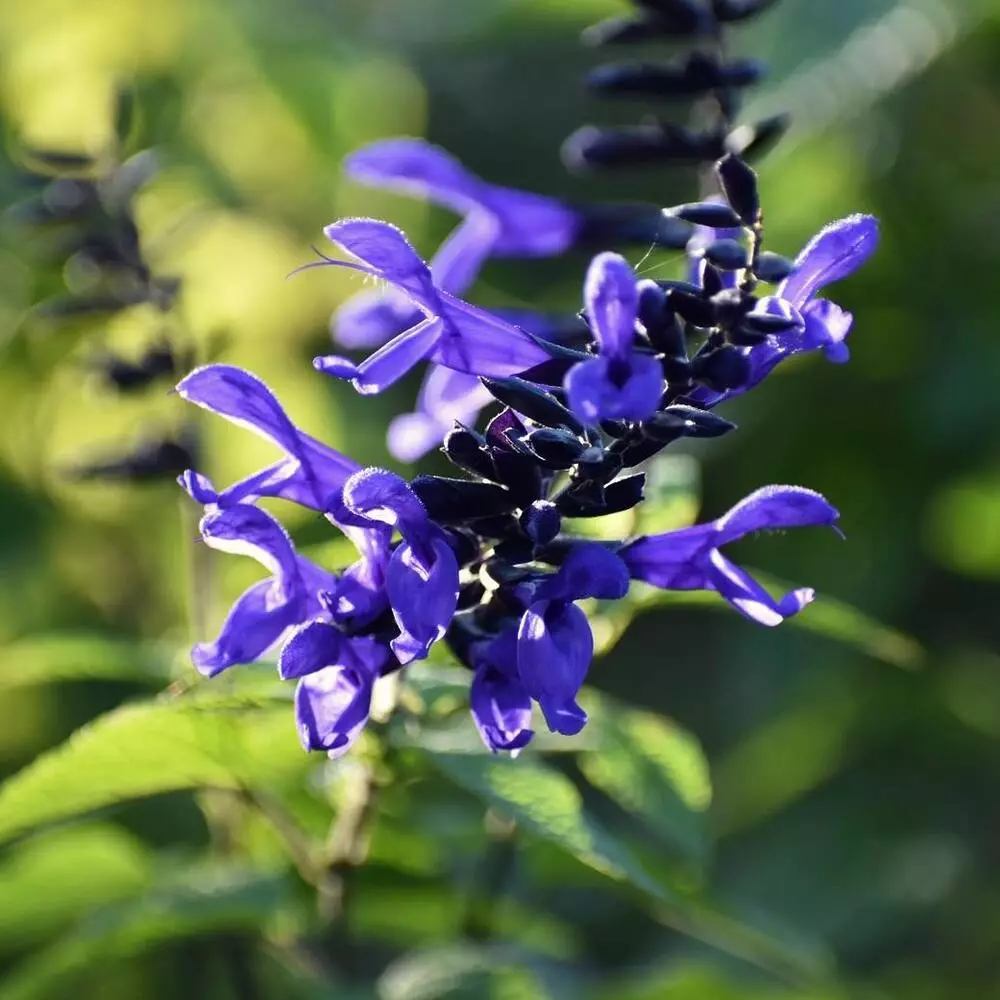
pixel 50 881
pixel 461 972
pixel 784 759
pixel 690 980
pixel 439 689
pixel 673 490
pixel 202 900
pixel 43 659
pixel 547 803
pixel 827 617
pixel 652 768
pixel 646 763
pixel 844 623
pixel 200 741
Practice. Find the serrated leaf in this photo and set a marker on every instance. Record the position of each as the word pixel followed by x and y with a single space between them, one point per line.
pixel 203 899
pixel 652 768
pixel 547 803
pixel 171 744
pixel 55 656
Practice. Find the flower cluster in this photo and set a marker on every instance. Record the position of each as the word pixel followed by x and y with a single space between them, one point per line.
pixel 488 563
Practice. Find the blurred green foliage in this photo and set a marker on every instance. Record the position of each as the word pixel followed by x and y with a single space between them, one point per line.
pixel 845 844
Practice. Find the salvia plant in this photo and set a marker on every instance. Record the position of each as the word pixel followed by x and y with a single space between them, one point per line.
pixel 488 562
pixel 551 422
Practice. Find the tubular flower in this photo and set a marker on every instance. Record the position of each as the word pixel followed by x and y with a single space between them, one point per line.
pixel 336 676
pixel 621 383
pixel 421 579
pixel 498 701
pixel 262 614
pixel 810 323
pixel 452 332
pixel 554 642
pixel 311 474
pixel 689 559
pixel 497 221
pixel 833 254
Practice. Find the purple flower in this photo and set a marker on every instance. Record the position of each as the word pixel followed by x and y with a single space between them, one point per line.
pixel 360 595
pixel 336 677
pixel 835 253
pixel 500 706
pixel 522 224
pixel 446 397
pixel 312 474
pixel 620 384
pixel 264 612
pixel 497 222
pixel 554 642
pixel 371 317
pixel 689 559
pixel 452 332
pixel 421 579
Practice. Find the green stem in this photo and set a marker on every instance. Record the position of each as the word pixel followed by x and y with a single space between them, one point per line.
pixel 347 841
pixel 295 839
pixel 492 877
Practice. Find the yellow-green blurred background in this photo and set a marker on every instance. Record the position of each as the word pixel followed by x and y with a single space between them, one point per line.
pixel 854 799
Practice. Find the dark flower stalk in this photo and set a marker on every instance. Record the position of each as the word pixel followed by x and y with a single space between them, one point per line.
pixel 708 75
pixel 80 215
